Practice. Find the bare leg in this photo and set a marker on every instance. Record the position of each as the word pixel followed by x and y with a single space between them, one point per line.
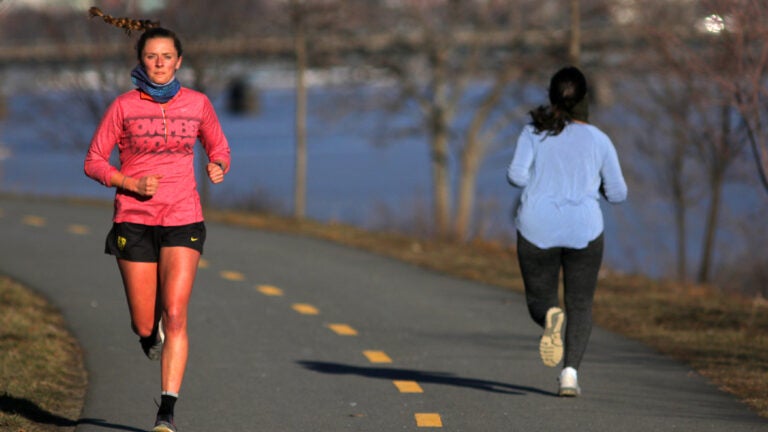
pixel 177 270
pixel 140 283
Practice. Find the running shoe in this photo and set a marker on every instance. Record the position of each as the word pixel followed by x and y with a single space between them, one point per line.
pixel 551 344
pixel 153 348
pixel 164 424
pixel 569 383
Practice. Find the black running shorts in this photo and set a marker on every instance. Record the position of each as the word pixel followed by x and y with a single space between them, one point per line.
pixel 142 243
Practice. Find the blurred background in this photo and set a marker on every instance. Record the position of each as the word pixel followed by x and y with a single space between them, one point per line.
pixel 402 115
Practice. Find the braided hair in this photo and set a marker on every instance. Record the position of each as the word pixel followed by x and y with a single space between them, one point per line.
pixel 149 29
pixel 127 24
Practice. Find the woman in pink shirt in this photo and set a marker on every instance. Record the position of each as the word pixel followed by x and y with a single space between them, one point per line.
pixel 158 231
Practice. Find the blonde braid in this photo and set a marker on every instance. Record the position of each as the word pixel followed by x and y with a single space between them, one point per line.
pixel 127 24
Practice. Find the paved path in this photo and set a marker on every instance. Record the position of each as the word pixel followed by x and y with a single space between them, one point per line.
pixel 269 325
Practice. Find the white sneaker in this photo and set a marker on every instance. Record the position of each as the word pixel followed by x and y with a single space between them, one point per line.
pixel 551 343
pixel 569 382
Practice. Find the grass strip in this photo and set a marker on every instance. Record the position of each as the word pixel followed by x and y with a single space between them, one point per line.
pixel 42 377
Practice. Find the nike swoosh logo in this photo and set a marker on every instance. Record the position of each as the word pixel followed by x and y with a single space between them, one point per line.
pixel 194 239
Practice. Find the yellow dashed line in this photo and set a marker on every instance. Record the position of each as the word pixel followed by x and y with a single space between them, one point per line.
pixel 35 221
pixel 423 420
pixel 428 420
pixel 343 329
pixel 305 309
pixel 232 275
pixel 377 356
pixel 408 386
pixel 203 264
pixel 78 229
pixel 270 290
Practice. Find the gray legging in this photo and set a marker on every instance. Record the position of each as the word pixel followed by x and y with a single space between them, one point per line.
pixel 541 270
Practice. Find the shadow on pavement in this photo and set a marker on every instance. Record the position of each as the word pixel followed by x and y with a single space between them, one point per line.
pixel 421 377
pixel 29 410
pixel 102 423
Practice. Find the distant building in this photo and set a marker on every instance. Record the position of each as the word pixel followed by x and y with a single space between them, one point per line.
pixel 53 5
pixel 62 5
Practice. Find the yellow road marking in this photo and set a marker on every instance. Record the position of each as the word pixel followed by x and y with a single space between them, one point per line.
pixel 203 263
pixel 408 386
pixel 35 221
pixel 270 290
pixel 305 309
pixel 342 329
pixel 232 275
pixel 377 356
pixel 428 420
pixel 79 229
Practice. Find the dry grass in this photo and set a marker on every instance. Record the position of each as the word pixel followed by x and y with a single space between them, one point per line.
pixel 42 378
pixel 723 337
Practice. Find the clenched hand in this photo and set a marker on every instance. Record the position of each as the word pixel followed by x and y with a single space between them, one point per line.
pixel 215 172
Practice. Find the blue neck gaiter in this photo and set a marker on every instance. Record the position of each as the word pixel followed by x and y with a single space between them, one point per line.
pixel 159 93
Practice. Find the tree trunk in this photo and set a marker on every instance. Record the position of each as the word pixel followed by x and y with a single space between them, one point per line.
pixel 710 229
pixel 441 179
pixel 470 163
pixel 680 210
pixel 574 48
pixel 472 155
pixel 438 118
pixel 300 163
pixel 759 150
pixel 717 176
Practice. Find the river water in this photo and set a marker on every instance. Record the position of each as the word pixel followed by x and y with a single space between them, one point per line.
pixel 351 178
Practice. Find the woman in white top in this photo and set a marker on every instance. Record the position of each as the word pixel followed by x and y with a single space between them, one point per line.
pixel 563 164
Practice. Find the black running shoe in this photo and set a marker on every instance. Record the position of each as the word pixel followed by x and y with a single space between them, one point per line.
pixel 153 347
pixel 164 424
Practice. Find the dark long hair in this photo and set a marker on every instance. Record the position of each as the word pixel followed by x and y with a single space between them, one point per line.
pixel 567 89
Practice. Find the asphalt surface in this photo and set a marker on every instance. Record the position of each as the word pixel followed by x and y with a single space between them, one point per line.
pixel 271 349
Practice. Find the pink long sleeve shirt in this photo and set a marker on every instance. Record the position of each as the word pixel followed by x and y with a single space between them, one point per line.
pixel 155 138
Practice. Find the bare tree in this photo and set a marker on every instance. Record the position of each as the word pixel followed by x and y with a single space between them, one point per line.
pixel 664 151
pixel 186 17
pixel 456 61
pixel 719 150
pixel 309 21
pixel 703 64
pixel 481 132
pixel 743 34
pixel 737 63
pixel 89 85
